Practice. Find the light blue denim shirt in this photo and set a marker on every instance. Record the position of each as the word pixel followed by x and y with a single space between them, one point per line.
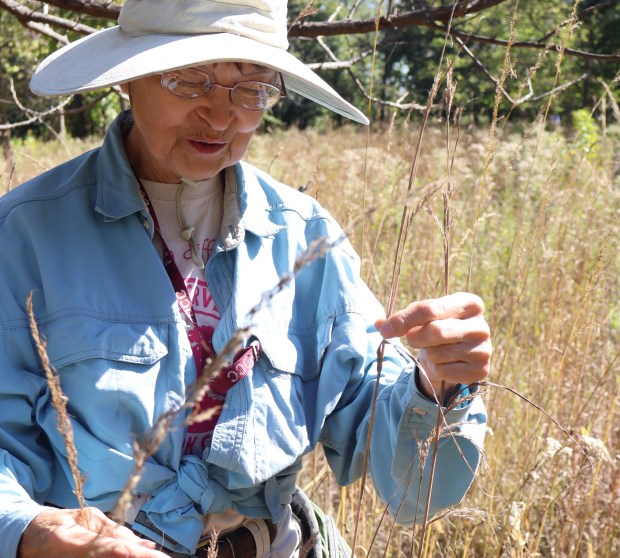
pixel 78 237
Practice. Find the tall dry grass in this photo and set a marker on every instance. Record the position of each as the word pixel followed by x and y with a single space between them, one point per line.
pixel 536 234
pixel 545 259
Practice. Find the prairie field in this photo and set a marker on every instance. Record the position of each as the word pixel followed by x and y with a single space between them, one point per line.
pixel 527 215
pixel 533 227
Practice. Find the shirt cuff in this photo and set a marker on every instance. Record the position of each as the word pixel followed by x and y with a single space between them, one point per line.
pixel 460 391
pixel 14 519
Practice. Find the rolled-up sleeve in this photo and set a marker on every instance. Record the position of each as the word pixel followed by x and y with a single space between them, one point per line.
pixel 26 463
pixel 404 422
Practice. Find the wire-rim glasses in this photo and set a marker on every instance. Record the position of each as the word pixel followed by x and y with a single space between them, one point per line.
pixel 190 83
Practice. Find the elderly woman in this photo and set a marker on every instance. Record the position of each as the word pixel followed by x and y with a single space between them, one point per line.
pixel 145 256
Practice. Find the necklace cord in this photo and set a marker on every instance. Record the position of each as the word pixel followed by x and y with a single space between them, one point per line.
pixel 188 232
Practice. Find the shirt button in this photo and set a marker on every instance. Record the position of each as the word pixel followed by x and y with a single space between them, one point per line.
pixel 146 224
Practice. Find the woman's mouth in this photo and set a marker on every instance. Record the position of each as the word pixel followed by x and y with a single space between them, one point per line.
pixel 207 147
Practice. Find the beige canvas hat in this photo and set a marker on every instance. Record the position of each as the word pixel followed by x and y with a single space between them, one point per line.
pixel 154 36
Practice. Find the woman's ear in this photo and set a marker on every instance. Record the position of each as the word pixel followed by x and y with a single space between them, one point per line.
pixel 126 91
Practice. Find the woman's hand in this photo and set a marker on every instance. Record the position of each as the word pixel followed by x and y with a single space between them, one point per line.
pixel 60 534
pixel 453 337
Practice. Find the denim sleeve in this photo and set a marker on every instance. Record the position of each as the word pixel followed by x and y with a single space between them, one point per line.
pixel 26 462
pixel 400 445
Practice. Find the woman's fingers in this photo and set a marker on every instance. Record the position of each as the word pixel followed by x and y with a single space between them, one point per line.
pixel 452 334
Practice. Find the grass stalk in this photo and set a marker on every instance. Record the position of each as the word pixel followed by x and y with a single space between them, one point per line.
pixel 59 402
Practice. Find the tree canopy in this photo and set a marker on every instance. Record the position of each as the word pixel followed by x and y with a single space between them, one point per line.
pixel 382 56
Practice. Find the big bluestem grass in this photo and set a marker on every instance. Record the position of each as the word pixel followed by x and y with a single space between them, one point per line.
pixel 527 220
pixel 547 264
pixel 530 225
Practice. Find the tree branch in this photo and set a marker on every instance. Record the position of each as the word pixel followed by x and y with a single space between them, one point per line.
pixel 529 96
pixel 347 66
pixel 490 76
pixel 340 64
pixel 105 9
pixel 423 17
pixel 33 116
pixel 558 88
pixel 526 44
pixel 46 30
pixel 429 18
pixel 30 18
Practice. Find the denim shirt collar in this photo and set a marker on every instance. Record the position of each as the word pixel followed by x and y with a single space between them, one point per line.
pixel 118 195
pixel 246 207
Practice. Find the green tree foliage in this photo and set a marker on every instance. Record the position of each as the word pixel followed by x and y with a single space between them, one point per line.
pixel 21 49
pixel 410 57
pixel 395 64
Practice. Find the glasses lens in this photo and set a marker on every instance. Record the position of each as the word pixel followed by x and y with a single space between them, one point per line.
pixel 255 95
pixel 189 83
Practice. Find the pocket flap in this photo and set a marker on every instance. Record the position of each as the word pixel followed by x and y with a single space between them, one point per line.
pixel 295 352
pixel 74 338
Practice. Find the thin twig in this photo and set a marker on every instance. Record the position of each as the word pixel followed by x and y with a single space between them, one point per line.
pixel 41 22
pixel 33 116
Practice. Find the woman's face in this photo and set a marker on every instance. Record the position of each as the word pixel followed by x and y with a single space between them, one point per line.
pixel 175 138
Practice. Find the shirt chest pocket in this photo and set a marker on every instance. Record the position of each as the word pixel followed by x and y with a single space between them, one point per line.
pixel 110 365
pixel 298 352
pixel 114 376
pixel 72 339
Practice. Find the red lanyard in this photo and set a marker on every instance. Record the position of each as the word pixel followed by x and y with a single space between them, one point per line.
pixel 200 338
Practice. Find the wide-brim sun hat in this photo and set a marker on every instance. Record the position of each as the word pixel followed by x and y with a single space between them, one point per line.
pixel 154 36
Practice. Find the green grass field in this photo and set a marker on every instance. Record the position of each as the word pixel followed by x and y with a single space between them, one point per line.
pixel 533 227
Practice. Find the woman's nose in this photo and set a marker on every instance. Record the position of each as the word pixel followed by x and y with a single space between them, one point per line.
pixel 217 108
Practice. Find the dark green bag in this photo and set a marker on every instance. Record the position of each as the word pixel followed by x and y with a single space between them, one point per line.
pixel 320 536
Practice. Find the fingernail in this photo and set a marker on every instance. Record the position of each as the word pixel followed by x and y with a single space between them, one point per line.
pixel 387 330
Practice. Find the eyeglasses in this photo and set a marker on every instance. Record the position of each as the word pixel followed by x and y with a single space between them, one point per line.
pixel 251 95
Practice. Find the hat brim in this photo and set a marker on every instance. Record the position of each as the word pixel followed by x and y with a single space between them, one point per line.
pixel 110 57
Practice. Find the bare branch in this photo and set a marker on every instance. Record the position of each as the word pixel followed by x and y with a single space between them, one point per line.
pixel 354 8
pixel 423 17
pixel 394 104
pixel 326 48
pixel 491 77
pixel 558 88
pixel 430 18
pixel 538 45
pixel 26 16
pixel 529 96
pixel 33 116
pixel 46 30
pixel 347 66
pixel 340 64
pixel 105 9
